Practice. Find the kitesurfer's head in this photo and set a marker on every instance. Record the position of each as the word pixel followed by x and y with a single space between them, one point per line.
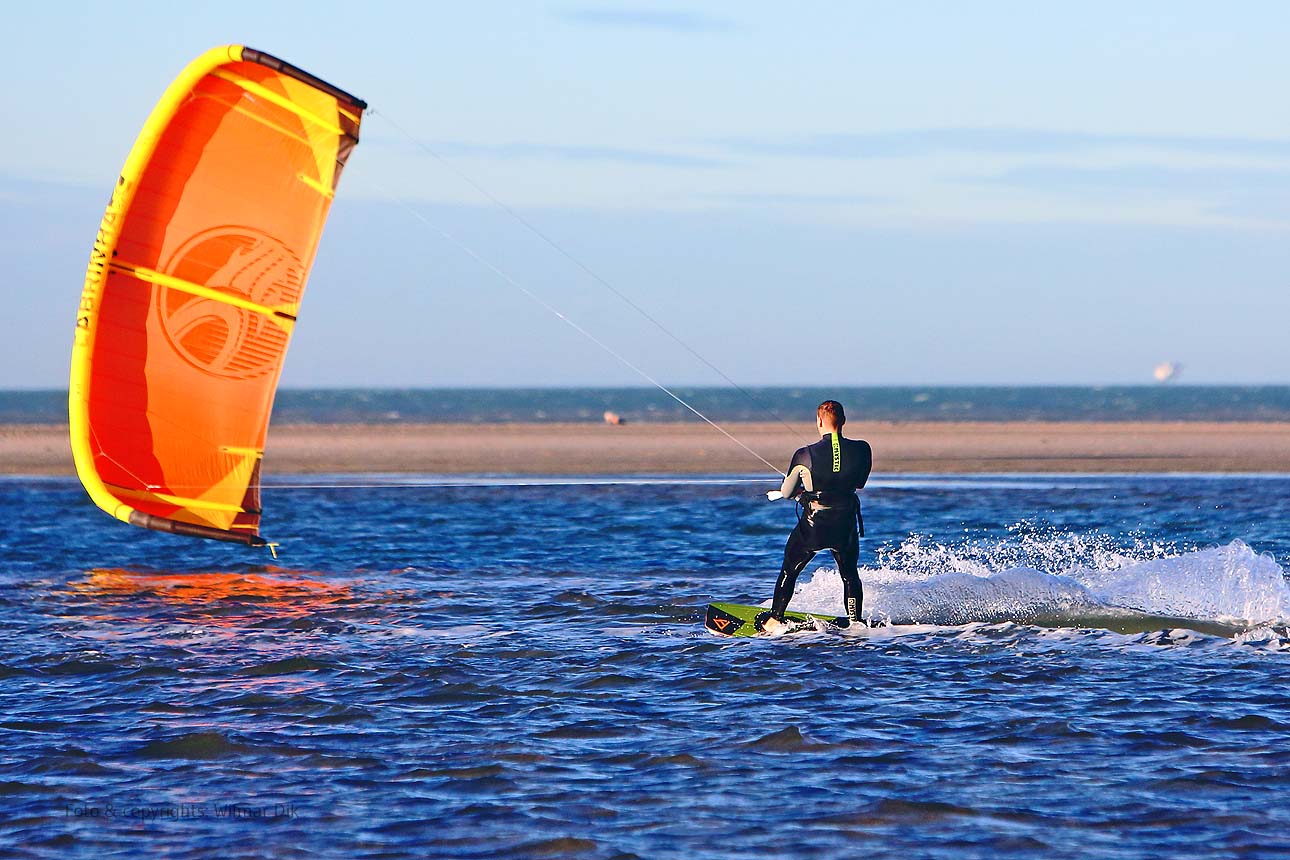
pixel 830 416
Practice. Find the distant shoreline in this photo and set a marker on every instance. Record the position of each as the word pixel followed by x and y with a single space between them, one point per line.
pixel 696 449
pixel 930 403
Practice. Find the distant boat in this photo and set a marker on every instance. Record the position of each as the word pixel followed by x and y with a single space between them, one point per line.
pixel 1167 371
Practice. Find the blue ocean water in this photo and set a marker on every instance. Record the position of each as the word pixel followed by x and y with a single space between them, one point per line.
pixel 1077 668
pixel 923 403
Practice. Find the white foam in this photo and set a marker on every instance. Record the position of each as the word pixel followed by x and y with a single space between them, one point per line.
pixel 1088 579
pixel 1229 583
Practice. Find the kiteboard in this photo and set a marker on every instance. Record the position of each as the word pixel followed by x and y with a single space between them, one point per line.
pixel 734 619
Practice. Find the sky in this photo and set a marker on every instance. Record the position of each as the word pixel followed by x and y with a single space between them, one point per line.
pixel 860 193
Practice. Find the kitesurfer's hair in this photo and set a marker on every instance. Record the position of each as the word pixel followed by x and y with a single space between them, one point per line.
pixel 831 412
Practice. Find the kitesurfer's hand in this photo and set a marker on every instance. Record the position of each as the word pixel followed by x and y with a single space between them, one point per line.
pixel 774 495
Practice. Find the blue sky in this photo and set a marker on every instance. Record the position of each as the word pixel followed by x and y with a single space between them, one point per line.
pixel 861 193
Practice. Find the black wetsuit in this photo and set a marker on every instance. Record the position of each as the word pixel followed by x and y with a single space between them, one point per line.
pixel 830 519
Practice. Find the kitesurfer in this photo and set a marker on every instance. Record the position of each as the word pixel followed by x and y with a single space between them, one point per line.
pixel 823 478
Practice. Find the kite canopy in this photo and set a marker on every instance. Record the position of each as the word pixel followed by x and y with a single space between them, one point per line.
pixel 193 289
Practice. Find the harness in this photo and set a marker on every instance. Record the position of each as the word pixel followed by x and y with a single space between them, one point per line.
pixel 826 500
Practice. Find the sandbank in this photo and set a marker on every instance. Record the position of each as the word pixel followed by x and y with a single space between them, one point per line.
pixel 696 449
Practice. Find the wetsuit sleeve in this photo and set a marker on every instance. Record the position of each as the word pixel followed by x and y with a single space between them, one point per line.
pixel 866 464
pixel 797 480
pixel 793 481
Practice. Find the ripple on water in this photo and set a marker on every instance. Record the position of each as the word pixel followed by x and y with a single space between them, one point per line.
pixel 286 666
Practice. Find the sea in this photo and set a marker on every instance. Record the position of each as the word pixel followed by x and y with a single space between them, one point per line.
pixel 497 667
pixel 910 403
pixel 502 667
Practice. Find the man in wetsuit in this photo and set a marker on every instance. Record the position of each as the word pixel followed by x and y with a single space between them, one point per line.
pixel 824 478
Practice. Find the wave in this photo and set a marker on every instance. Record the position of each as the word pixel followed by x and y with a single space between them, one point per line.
pixel 1222 590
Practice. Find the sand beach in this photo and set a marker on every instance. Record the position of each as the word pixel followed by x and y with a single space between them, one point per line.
pixel 694 448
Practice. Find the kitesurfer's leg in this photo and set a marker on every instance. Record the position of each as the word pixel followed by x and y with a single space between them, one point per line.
pixel 848 559
pixel 797 555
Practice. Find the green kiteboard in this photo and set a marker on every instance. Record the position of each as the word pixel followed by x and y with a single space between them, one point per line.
pixel 734 619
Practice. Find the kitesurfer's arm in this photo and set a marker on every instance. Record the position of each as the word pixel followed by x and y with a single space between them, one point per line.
pixel 866 464
pixel 798 478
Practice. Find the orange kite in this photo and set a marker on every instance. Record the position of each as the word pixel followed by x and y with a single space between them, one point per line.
pixel 193 290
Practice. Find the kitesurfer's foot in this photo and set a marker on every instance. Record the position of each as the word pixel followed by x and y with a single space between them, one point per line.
pixel 768 623
pixel 775 627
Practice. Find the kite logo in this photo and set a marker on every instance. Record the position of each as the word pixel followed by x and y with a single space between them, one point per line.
pixel 721 623
pixel 224 339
